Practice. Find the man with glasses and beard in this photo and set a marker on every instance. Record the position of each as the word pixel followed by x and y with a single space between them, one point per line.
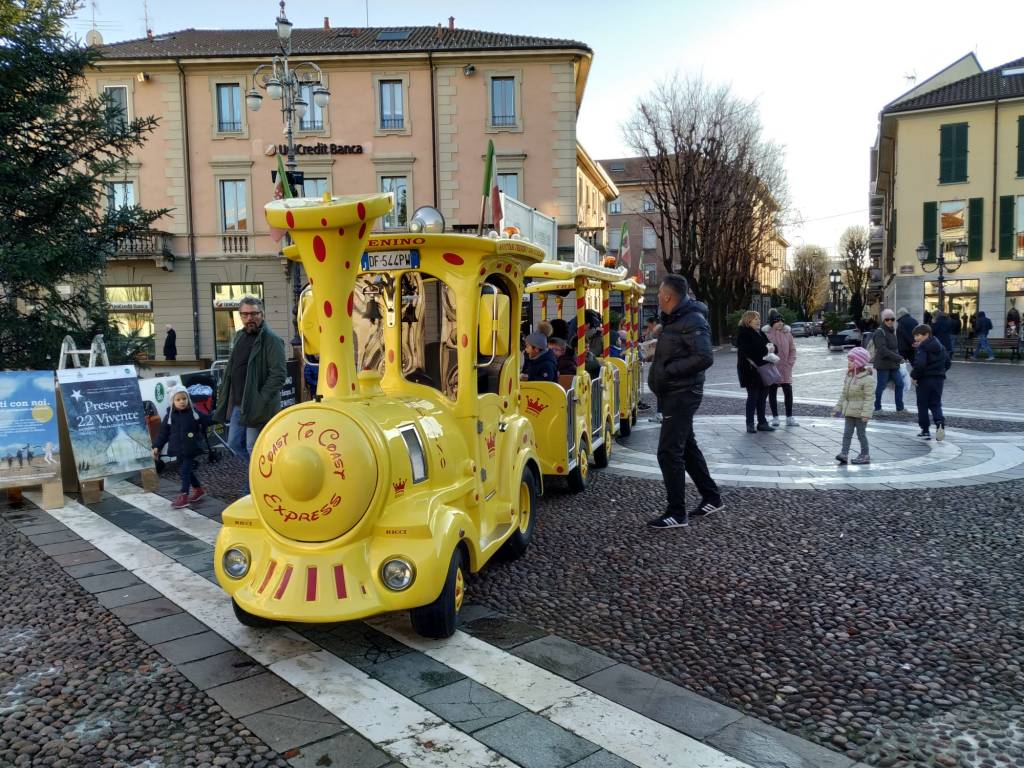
pixel 250 393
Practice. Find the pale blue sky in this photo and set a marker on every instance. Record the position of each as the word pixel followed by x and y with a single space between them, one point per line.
pixel 819 70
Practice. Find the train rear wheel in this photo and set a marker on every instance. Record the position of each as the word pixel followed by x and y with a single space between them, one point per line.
pixel 526 519
pixel 439 618
pixel 579 477
pixel 625 427
pixel 602 454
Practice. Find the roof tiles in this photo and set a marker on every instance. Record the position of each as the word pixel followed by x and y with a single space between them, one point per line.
pixel 985 86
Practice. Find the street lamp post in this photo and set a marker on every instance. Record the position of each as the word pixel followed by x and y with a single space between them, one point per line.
pixel 284 83
pixel 835 280
pixel 942 264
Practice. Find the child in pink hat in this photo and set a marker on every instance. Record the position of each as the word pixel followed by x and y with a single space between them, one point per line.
pixel 856 403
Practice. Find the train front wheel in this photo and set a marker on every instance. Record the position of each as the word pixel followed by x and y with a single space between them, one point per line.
pixel 439 618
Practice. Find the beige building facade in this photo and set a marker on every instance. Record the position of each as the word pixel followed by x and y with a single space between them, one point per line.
pixel 411 111
pixel 948 167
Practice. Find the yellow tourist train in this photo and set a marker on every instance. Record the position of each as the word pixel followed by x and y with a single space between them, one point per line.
pixel 418 459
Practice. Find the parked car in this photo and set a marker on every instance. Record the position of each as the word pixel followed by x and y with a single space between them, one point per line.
pixel 848 338
pixel 815 327
pixel 802 329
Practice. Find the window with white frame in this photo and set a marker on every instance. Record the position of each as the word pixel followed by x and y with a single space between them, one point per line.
pixel 229 108
pixel 118 96
pixel 314 187
pixel 509 184
pixel 120 194
pixel 614 240
pixel 615 206
pixel 399 187
pixel 503 102
pixel 650 240
pixel 233 206
pixel 648 204
pixel 392 115
pixel 313 119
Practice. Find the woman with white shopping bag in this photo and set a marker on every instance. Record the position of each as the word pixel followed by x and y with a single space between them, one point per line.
pixel 888 361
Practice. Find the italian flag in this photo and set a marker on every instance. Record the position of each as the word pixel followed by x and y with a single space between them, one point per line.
pixel 625 257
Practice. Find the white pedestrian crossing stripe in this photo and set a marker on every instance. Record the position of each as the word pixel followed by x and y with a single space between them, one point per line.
pixel 396 724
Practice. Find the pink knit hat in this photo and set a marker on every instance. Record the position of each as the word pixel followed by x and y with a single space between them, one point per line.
pixel 859 356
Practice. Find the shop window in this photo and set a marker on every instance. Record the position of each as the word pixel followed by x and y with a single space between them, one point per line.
pixel 313 120
pixel 392 115
pixel 229 108
pixel 233 206
pixel 1014 306
pixel 118 97
pixel 399 187
pixel 509 184
pixel 120 194
pixel 130 314
pixel 961 297
pixel 226 321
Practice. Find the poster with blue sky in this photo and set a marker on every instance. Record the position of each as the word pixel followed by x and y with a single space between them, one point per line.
pixel 29 449
pixel 106 420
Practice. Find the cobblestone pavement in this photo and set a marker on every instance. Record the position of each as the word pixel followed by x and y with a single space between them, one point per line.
pixel 996 388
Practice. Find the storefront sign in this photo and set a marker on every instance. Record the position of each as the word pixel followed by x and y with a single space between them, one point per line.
pixel 907 269
pixel 29 449
pixel 323 149
pixel 130 306
pixel 106 420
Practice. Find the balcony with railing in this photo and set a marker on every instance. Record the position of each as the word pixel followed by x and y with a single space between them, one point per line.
pixel 144 245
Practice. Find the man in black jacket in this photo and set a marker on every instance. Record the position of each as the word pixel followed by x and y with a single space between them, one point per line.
pixel 682 355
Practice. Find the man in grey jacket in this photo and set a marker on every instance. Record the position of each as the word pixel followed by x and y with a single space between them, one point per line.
pixel 887 360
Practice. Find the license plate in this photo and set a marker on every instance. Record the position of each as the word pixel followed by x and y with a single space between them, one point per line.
pixel 385 261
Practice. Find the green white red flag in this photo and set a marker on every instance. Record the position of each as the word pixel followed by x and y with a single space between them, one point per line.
pixel 625 255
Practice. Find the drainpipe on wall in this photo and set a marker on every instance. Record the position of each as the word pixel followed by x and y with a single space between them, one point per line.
pixel 188 208
pixel 433 125
pixel 995 176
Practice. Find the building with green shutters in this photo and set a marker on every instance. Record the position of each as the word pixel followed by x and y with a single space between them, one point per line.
pixel 948 167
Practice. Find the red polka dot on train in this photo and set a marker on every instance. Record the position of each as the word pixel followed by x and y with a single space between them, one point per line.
pixel 328 309
pixel 323 222
pixel 361 210
pixel 319 248
pixel 290 219
pixel 483 270
pixel 362 229
pixel 353 386
pixel 341 339
pixel 465 340
pixel 341 231
pixel 391 355
pixel 348 265
pixel 351 299
pixel 508 267
pixel 332 375
pixel 454 258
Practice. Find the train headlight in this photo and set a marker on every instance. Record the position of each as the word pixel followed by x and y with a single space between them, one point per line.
pixel 427 219
pixel 236 562
pixel 397 574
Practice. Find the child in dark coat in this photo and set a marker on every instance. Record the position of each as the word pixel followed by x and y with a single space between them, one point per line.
pixel 183 428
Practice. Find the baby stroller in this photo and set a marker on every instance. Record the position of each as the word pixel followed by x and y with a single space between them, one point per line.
pixel 202 389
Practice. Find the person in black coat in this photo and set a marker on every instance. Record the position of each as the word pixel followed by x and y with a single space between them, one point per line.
pixel 905 325
pixel 540 363
pixel 751 348
pixel 170 343
pixel 929 374
pixel 941 329
pixel 183 431
pixel 681 356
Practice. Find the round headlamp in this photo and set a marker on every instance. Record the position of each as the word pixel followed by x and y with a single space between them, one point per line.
pixel 397 574
pixel 236 562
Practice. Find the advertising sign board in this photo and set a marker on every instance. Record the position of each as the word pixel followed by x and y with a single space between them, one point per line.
pixel 29 448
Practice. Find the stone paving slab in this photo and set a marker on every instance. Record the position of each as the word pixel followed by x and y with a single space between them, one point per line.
pixel 252 694
pixel 533 741
pixel 82 557
pixel 563 657
pixel 93 569
pixel 146 610
pixel 108 581
pixel 357 753
pixel 361 646
pixel 502 632
pixel 54 538
pixel 661 700
pixel 51 527
pixel 168 628
pixel 66 547
pixel 414 673
pixel 291 725
pixel 764 746
pixel 193 647
pixel 468 705
pixel 116 598
pixel 220 669
pixel 602 759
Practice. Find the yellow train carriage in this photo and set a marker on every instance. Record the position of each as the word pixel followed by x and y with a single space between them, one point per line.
pixel 630 365
pixel 416 463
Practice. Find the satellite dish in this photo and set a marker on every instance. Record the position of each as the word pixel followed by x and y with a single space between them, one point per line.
pixel 93 37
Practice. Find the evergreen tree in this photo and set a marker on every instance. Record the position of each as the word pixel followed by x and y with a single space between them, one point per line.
pixel 60 144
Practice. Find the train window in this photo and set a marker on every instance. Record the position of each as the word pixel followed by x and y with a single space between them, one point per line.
pixel 429 339
pixel 490 368
pixel 416 455
pixel 368 313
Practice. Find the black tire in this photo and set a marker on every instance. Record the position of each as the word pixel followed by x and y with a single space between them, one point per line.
pixel 632 417
pixel 439 618
pixel 250 619
pixel 602 454
pixel 625 427
pixel 517 544
pixel 579 478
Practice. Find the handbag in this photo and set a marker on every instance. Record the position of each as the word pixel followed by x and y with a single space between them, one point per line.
pixel 768 372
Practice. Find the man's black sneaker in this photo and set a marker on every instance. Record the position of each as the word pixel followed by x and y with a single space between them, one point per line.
pixel 924 434
pixel 765 427
pixel 707 508
pixel 668 521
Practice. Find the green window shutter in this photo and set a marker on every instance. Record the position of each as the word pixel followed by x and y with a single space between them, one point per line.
pixel 975 226
pixel 1006 233
pixel 960 152
pixel 945 155
pixel 1020 146
pixel 931 212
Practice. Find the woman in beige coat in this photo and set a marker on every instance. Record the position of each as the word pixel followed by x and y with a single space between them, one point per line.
pixel 781 336
pixel 856 404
